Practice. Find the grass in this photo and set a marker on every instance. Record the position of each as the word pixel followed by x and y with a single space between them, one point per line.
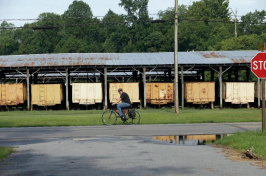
pixel 256 141
pixel 4 152
pixel 148 116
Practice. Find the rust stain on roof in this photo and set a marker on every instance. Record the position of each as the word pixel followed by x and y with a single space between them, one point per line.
pixel 238 61
pixel 16 65
pixel 243 61
pixel 235 61
pixel 104 58
pixel 52 63
pixel 206 55
pixel 32 64
pixel 77 63
pixel 212 55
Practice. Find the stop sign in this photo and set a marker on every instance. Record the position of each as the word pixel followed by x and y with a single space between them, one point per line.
pixel 258 65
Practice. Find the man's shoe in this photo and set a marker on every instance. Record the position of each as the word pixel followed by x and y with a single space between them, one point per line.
pixel 124 118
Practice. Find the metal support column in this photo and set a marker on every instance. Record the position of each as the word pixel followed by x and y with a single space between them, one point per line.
pixel 144 88
pixel 258 92
pixel 2 75
pixel 229 75
pixel 221 86
pixel 263 106
pixel 28 89
pixel 203 75
pixel 183 91
pixel 247 74
pixel 169 75
pixel 105 89
pixel 67 86
pixel 212 75
pixel 236 75
pixel 135 76
pixel 35 79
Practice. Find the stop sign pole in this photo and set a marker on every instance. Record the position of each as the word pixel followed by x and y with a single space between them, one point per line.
pixel 263 105
pixel 258 67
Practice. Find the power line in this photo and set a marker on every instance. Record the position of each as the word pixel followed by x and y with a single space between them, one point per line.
pixel 129 22
pixel 36 19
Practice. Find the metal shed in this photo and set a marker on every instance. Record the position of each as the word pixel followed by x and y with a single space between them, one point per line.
pixel 34 67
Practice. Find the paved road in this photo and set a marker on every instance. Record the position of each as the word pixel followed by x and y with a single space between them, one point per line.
pixel 126 130
pixel 118 150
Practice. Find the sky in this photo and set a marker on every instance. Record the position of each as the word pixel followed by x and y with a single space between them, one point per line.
pixel 30 9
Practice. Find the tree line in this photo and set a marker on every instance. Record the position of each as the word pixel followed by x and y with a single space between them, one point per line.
pixel 203 26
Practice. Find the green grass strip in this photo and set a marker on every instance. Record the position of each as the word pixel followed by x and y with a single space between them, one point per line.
pixel 242 141
pixel 148 116
pixel 4 152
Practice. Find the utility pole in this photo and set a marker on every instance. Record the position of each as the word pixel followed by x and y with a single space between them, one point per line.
pixel 235 23
pixel 235 14
pixel 176 58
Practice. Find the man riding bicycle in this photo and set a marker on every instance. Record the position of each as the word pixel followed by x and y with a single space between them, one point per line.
pixel 125 103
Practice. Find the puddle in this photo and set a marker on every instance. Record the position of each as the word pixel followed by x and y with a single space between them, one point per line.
pixel 189 139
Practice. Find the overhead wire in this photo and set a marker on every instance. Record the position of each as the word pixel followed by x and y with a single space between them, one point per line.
pixel 128 22
pixel 110 23
pixel 35 19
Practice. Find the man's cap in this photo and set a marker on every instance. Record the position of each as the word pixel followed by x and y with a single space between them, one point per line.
pixel 120 90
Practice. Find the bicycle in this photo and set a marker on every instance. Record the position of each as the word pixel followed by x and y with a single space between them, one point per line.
pixel 109 117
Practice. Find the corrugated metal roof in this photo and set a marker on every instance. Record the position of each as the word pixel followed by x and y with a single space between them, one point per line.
pixel 126 59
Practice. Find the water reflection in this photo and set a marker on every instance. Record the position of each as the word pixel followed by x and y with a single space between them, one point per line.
pixel 189 139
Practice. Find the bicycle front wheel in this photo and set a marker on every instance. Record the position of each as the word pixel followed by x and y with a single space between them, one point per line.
pixel 134 120
pixel 109 117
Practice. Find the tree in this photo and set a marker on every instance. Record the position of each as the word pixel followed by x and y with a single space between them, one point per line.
pixel 116 32
pixel 245 42
pixel 8 42
pixel 136 9
pixel 79 23
pixel 210 9
pixel 71 44
pixel 75 17
pixel 154 42
pixel 46 40
pixel 251 23
pixel 202 35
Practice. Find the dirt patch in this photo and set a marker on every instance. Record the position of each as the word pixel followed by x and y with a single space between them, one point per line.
pixel 238 156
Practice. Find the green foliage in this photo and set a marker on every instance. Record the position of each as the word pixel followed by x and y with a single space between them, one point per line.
pixel 244 42
pixel 255 18
pixel 250 140
pixel 77 31
pixel 136 9
pixel 148 116
pixel 210 9
pixel 4 152
pixel 8 42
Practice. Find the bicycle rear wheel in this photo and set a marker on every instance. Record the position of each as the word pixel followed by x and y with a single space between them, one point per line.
pixel 134 120
pixel 109 117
